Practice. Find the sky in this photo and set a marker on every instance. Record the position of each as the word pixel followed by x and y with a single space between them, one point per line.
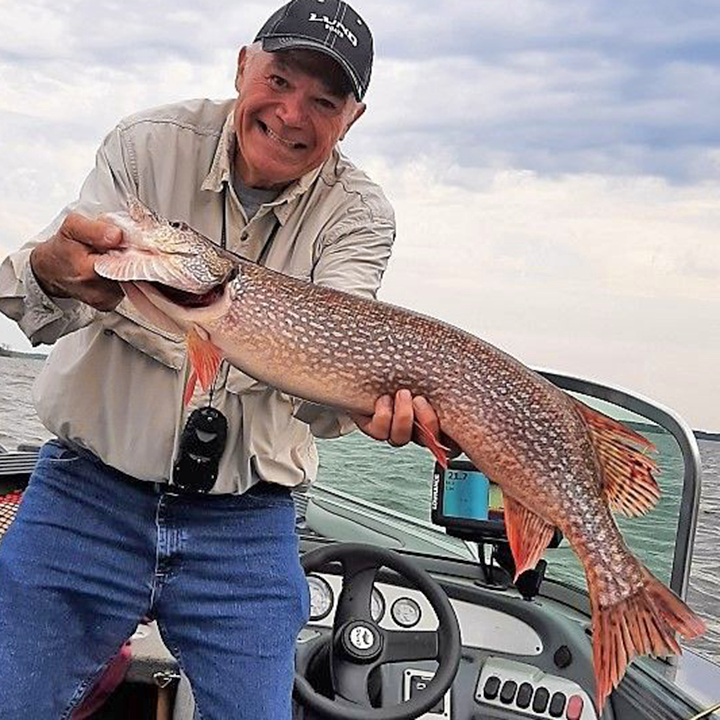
pixel 554 166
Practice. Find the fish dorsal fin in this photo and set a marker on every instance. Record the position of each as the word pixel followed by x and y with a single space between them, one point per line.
pixel 205 359
pixel 628 482
pixel 528 533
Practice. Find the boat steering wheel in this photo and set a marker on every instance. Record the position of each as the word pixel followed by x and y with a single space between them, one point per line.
pixel 359 645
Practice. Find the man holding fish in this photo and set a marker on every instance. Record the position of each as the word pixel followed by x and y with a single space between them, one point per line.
pixel 124 517
pixel 272 184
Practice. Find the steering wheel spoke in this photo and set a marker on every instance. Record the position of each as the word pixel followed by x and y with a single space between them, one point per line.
pixel 410 645
pixel 354 601
pixel 350 681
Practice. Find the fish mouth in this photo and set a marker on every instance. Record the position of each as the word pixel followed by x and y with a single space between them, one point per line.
pixel 186 299
pixel 176 310
pixel 133 264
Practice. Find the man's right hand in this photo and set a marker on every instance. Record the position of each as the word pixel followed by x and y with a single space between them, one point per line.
pixel 64 265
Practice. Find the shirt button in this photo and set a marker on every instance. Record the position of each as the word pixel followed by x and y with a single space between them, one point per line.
pixel 244 237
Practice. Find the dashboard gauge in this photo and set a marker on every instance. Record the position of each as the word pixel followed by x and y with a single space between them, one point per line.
pixel 321 597
pixel 405 612
pixel 377 605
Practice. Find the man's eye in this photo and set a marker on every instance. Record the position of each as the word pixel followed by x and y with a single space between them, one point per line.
pixel 278 81
pixel 325 103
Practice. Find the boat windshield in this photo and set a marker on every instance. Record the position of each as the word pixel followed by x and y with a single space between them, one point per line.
pixel 369 492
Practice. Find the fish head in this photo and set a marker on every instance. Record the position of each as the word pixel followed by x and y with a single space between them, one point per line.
pixel 171 273
pixel 162 251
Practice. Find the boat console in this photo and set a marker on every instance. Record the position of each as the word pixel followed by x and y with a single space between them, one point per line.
pixel 517 659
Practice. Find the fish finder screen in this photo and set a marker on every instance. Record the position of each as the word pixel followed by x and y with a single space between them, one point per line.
pixel 466 502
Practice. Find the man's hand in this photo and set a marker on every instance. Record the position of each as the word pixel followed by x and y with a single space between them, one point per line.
pixel 64 265
pixel 394 419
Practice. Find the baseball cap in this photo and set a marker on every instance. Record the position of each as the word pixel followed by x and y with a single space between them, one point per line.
pixel 328 26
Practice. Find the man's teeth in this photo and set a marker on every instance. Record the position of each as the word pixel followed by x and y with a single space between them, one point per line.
pixel 275 136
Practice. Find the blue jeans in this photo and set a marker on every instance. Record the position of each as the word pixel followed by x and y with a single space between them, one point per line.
pixel 92 551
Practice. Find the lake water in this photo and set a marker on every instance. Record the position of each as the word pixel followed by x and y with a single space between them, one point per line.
pixel 400 479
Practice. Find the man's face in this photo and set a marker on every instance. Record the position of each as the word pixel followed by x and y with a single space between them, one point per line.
pixel 286 121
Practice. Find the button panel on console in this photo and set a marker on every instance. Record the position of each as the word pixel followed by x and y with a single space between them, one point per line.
pixel 525 688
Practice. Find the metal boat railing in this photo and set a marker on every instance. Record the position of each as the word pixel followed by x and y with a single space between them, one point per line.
pixel 672 423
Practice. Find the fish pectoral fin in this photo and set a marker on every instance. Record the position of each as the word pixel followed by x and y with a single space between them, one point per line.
pixel 629 485
pixel 428 439
pixel 190 387
pixel 528 533
pixel 205 359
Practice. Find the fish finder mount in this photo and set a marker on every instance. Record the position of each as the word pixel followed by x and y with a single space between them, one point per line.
pixel 470 507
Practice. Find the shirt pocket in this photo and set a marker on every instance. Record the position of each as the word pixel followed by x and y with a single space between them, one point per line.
pixel 136 331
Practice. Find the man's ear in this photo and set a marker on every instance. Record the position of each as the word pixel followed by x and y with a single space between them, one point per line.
pixel 242 59
pixel 357 113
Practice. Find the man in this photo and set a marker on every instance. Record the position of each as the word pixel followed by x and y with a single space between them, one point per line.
pixel 112 527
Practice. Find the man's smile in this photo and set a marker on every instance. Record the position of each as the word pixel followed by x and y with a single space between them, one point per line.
pixel 274 136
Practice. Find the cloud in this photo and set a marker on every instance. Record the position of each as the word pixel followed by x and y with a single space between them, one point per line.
pixel 617 277
pixel 553 87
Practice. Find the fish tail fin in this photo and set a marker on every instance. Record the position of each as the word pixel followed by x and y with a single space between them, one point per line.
pixel 643 624
pixel 205 359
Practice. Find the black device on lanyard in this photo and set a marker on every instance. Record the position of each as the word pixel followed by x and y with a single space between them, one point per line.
pixel 201 447
pixel 203 439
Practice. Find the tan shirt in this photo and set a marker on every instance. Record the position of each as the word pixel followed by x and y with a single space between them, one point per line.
pixel 112 383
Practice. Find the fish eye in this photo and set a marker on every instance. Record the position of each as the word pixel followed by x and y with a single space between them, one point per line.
pixel 176 224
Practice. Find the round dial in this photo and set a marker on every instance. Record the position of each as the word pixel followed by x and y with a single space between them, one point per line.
pixel 405 612
pixel 377 605
pixel 321 597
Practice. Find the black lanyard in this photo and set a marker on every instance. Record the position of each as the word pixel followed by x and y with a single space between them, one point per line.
pixel 223 237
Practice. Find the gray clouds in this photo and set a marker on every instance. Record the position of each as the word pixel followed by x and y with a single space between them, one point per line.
pixel 620 88
pixel 547 85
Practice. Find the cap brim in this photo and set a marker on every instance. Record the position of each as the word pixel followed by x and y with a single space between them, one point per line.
pixel 273 44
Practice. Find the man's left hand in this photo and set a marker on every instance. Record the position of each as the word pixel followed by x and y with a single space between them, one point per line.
pixel 394 419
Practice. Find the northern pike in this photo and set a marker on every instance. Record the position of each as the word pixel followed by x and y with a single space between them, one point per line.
pixel 559 462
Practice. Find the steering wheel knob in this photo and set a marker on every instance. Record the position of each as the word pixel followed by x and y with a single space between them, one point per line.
pixel 360 641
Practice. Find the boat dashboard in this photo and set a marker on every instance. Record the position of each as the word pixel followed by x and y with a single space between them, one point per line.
pixel 519 658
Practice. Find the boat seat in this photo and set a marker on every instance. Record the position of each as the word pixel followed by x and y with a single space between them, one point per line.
pixel 9 504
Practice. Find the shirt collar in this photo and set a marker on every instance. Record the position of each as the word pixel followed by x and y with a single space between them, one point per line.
pixel 222 169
